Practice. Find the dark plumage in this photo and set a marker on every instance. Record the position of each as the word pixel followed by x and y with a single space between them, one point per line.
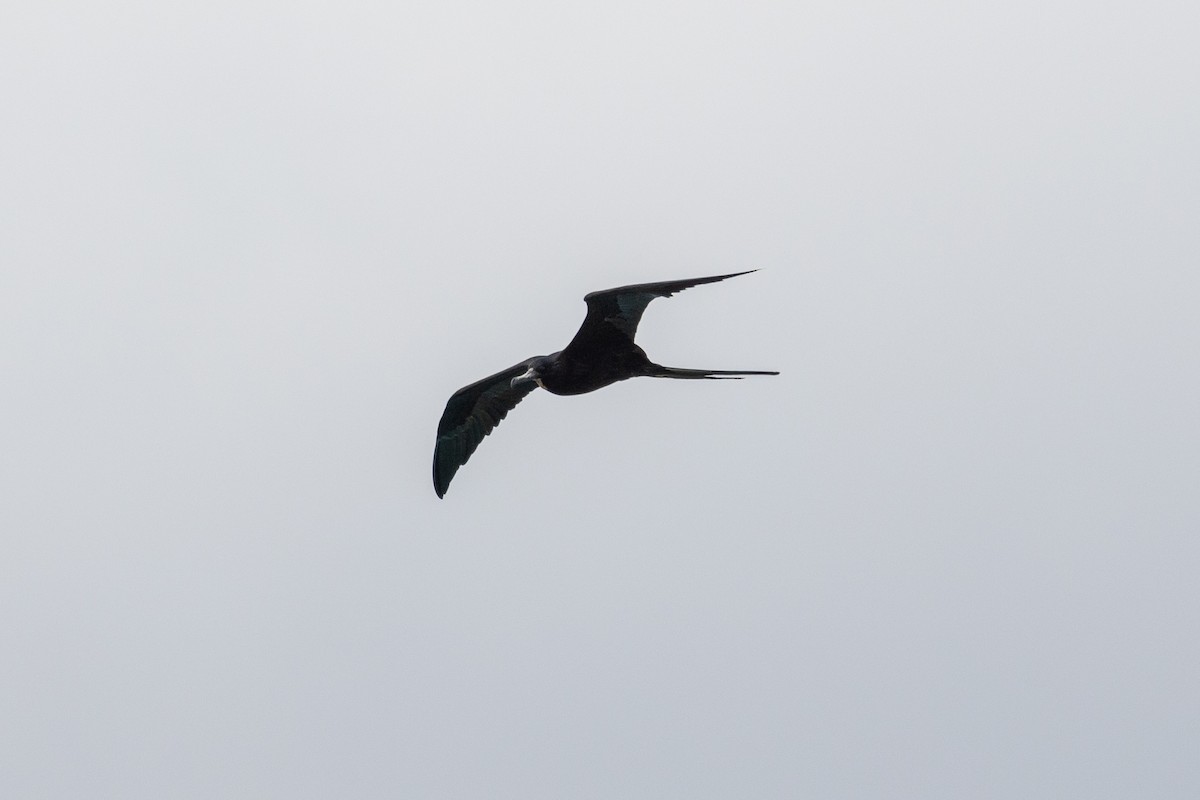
pixel 601 353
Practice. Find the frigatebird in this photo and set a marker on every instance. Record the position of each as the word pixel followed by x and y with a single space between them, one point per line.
pixel 601 353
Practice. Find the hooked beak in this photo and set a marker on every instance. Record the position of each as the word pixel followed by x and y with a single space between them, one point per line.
pixel 529 375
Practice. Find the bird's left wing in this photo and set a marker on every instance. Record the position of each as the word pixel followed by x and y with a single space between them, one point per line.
pixel 471 414
pixel 621 309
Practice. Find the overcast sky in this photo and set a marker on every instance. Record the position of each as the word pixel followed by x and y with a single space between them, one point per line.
pixel 248 250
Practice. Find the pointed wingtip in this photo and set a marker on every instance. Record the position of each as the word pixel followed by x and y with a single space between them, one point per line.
pixel 733 274
pixel 439 486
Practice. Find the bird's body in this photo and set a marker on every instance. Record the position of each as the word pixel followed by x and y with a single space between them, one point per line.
pixel 602 353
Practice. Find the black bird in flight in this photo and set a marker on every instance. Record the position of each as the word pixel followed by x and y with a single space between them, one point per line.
pixel 601 353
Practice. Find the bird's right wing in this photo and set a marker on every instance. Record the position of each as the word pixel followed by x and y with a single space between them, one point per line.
pixel 470 415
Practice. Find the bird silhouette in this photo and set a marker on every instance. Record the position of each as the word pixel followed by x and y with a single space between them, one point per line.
pixel 602 352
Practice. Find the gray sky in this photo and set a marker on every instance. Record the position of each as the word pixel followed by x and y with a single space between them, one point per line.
pixel 249 249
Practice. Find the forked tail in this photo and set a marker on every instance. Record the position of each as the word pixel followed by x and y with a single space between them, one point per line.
pixel 659 371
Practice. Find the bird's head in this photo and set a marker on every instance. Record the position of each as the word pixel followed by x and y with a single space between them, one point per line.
pixel 537 368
